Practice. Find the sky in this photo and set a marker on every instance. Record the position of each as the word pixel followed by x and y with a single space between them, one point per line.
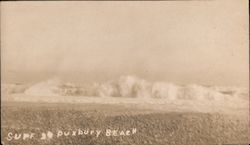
pixel 203 42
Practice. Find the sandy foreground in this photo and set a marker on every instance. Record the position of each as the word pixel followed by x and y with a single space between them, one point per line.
pixel 153 121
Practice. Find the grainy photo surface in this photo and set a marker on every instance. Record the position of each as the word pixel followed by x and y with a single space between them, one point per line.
pixel 125 72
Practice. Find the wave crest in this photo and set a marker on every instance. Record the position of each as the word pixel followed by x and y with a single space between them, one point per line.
pixel 134 87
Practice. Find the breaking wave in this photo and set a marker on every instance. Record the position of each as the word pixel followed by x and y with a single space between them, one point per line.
pixel 134 87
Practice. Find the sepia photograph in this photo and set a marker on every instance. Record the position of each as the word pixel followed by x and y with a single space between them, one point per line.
pixel 173 72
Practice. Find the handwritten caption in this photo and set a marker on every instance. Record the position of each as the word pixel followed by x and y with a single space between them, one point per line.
pixel 47 135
